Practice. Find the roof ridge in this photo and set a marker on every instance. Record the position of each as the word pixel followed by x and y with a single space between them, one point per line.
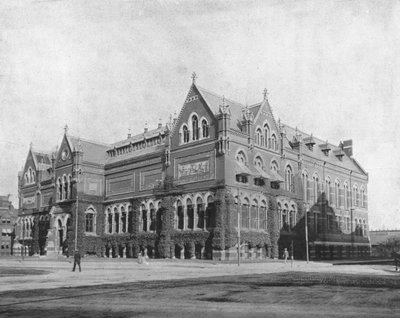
pixel 220 96
pixel 98 143
pixel 309 135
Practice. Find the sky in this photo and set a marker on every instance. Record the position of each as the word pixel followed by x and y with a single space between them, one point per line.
pixel 332 68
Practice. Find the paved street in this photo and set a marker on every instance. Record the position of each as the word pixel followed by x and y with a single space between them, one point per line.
pixel 95 271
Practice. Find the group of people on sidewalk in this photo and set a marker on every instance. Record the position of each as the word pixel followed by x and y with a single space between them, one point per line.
pixel 142 259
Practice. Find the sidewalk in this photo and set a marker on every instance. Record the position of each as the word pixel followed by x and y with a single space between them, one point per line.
pixel 97 271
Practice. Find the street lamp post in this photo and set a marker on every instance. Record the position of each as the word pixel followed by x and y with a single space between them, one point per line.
pixel 238 228
pixel 306 232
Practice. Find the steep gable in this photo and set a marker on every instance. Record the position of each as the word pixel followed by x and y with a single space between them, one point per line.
pixel 64 155
pixel 195 104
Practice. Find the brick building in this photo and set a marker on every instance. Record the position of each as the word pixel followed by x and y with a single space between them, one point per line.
pixel 8 217
pixel 183 189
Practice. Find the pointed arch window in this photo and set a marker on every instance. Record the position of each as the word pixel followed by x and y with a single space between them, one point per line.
pixel 90 221
pixel 258 137
pixel 289 179
pixel 185 133
pixel 337 191
pixel 144 217
pixel 190 214
pixel 267 136
pixel 315 187
pixel 116 220
pixel 180 215
pixel 274 144
pixel 195 127
pixel 204 128
pixel 304 176
pixel 200 213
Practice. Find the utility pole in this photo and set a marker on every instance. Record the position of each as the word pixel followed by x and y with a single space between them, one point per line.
pixel 238 227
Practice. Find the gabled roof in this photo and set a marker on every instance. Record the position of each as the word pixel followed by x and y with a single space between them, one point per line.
pixel 214 101
pixel 93 152
pixel 42 160
pixel 139 137
pixel 317 153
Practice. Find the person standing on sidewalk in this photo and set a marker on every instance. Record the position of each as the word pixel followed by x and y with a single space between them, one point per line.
pixel 77 260
pixel 285 254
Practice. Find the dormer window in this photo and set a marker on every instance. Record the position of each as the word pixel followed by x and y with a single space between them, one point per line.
pixel 309 142
pixel 339 154
pixel 325 148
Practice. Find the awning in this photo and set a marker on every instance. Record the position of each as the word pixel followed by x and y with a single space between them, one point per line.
pixel 276 177
pixel 262 174
pixel 242 169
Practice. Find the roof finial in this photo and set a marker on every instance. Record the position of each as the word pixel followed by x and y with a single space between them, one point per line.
pixel 145 127
pixel 265 92
pixel 66 129
pixel 31 145
pixel 129 133
pixel 194 76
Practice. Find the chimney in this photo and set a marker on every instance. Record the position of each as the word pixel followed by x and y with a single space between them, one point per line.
pixel 348 147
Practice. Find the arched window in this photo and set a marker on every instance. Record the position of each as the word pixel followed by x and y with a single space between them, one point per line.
pixel 90 221
pixel 110 221
pixel 200 213
pixel 362 197
pixel 267 136
pixel 315 187
pixel 346 195
pixel 66 186
pixel 328 189
pixel 185 133
pixel 254 215
pixel 144 217
pixel 258 162
pixel 130 219
pixel 337 191
pixel 274 143
pixel 116 220
pixel 180 214
pixel 210 212
pixel 289 179
pixel 33 176
pixel 241 158
pixel 190 214
pixel 245 213
pixel 274 166
pixel 263 215
pixel 285 224
pixel 59 189
pixel 70 186
pixel 153 219
pixel 304 177
pixel 355 195
pixel 195 127
pixel 123 220
pixel 258 137
pixel 204 128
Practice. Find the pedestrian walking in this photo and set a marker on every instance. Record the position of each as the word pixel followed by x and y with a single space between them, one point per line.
pixel 285 254
pixel 77 260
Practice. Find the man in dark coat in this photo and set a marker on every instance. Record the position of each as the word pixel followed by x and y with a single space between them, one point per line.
pixel 77 260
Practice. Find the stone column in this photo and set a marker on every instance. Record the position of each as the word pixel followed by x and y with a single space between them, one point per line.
pixel 195 217
pixel 124 252
pixel 183 253
pixel 185 221
pixel 113 223
pixel 203 250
